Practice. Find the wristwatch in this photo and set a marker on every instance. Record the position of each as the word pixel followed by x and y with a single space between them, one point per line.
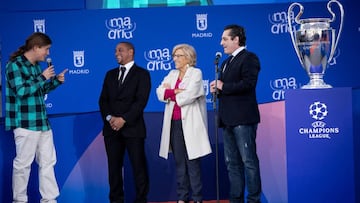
pixel 108 118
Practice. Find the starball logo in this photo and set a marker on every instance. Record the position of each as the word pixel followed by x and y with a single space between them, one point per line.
pixel 319 111
pixel 120 28
pixel 39 25
pixel 279 86
pixel 158 59
pixel 201 26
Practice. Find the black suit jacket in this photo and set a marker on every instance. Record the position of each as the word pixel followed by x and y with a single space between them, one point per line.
pixel 128 101
pixel 237 99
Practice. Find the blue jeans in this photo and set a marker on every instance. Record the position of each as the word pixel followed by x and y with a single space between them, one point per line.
pixel 242 163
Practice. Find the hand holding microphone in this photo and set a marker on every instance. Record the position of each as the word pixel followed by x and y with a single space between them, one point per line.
pixel 49 72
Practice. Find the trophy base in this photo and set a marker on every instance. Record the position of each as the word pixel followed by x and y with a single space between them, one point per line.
pixel 316 82
pixel 319 84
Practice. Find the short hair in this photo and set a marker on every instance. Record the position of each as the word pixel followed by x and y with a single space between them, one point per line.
pixel 129 45
pixel 237 30
pixel 189 52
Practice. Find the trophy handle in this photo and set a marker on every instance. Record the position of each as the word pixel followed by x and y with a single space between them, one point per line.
pixel 291 31
pixel 332 52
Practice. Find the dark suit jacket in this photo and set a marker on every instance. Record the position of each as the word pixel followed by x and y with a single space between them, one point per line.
pixel 128 101
pixel 237 99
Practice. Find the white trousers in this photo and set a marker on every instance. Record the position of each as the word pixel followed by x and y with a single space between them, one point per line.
pixel 39 145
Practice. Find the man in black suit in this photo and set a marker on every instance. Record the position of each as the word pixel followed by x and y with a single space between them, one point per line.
pixel 239 114
pixel 123 98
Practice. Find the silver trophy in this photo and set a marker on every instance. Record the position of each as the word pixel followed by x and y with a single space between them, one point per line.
pixel 315 42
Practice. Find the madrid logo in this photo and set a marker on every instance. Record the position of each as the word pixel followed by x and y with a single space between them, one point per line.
pixel 39 25
pixel 120 28
pixel 79 63
pixel 202 26
pixel 47 104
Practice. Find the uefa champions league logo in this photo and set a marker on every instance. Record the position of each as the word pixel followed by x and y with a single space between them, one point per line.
pixel 318 110
pixel 318 130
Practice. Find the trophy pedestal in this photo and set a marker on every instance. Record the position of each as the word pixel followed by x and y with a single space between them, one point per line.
pixel 320 145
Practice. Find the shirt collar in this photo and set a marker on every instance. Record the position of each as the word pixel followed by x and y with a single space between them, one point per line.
pixel 238 50
pixel 128 65
pixel 24 60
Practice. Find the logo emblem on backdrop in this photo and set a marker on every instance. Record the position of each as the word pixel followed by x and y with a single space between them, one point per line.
pixel 279 22
pixel 319 111
pixel 201 25
pixel 120 28
pixel 47 104
pixel 158 59
pixel 279 85
pixel 207 90
pixel 79 63
pixel 201 21
pixel 78 58
pixel 206 86
pixel 39 25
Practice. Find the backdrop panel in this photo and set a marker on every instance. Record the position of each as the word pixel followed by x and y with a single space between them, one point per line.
pixel 84 42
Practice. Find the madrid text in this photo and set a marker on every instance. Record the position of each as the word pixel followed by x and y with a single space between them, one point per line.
pixel 79 71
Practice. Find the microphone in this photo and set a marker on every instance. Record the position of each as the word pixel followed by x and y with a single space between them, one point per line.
pixel 49 63
pixel 218 55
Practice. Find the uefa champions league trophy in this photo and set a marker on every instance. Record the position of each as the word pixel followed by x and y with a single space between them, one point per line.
pixel 314 42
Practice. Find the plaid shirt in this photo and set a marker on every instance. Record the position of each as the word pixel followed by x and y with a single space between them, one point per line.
pixel 25 91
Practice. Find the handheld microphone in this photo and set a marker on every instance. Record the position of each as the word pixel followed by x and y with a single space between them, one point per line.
pixel 49 63
pixel 218 55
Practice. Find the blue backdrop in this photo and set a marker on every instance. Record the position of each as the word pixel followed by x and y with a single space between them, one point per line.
pixel 84 42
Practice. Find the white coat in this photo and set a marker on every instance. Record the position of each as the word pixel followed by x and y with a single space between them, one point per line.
pixel 193 113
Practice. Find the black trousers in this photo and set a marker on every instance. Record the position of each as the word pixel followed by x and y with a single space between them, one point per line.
pixel 188 172
pixel 115 146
